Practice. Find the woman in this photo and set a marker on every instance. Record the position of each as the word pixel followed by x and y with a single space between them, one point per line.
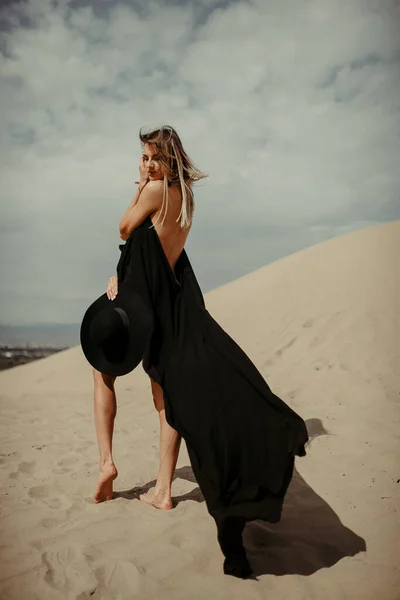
pixel 168 180
pixel 241 438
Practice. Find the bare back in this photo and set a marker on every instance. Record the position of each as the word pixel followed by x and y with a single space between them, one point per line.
pixel 172 237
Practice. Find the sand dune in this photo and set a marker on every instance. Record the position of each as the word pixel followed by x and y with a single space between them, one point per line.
pixel 322 325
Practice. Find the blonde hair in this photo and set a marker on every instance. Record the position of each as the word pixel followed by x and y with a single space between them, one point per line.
pixel 178 168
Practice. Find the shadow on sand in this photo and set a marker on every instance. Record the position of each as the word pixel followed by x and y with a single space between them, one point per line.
pixel 309 537
pixel 185 473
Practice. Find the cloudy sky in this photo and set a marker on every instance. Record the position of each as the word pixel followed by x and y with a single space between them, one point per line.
pixel 291 106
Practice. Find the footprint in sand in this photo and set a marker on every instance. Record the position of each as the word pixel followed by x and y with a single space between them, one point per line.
pixel 51 496
pixel 121 579
pixel 64 520
pixel 68 571
pixel 42 493
pixel 27 467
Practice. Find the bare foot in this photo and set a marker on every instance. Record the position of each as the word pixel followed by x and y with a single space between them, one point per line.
pixel 160 499
pixel 104 488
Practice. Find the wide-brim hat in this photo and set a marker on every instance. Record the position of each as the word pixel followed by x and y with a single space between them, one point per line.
pixel 114 333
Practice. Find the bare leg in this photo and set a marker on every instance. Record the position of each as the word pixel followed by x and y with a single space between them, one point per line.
pixel 105 409
pixel 170 441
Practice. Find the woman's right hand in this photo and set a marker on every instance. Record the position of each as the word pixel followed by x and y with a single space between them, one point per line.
pixel 112 288
pixel 143 172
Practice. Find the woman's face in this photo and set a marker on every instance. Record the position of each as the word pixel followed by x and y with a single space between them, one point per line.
pixel 152 162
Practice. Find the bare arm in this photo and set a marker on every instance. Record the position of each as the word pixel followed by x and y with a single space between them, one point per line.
pixel 146 201
pixel 132 204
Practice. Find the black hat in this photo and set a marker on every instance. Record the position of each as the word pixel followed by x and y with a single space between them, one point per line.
pixel 114 333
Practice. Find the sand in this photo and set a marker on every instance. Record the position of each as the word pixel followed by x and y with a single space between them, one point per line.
pixel 322 325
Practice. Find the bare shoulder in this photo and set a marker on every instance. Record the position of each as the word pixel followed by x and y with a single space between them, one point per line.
pixel 151 195
pixel 156 184
pixel 150 200
pixel 153 188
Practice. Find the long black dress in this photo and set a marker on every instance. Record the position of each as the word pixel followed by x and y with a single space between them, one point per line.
pixel 241 438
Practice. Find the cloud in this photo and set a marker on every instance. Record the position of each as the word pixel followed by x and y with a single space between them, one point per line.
pixel 293 109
